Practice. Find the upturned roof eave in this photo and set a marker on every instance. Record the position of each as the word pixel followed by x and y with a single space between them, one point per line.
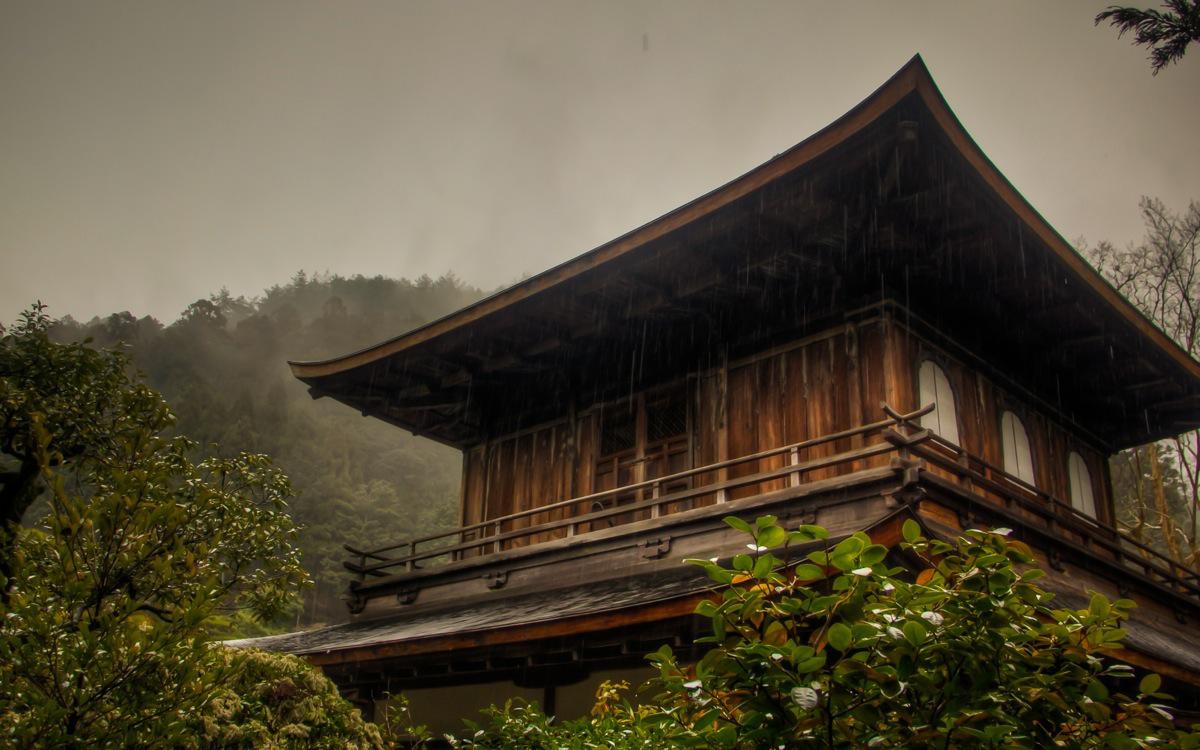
pixel 914 76
pixel 863 114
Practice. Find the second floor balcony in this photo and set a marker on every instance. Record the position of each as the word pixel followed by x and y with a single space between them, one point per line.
pixel 834 479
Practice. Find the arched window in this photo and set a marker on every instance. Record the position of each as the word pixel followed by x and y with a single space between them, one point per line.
pixel 1014 441
pixel 935 389
pixel 1083 499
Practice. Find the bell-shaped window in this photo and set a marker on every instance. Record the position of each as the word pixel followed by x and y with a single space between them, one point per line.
pixel 1014 441
pixel 1083 499
pixel 935 389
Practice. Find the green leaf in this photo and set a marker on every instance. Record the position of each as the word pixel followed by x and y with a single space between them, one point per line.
pixel 809 572
pixel 814 532
pixel 1116 635
pixel 1099 606
pixel 1096 691
pixel 914 632
pixel 726 736
pixel 743 562
pixel 911 530
pixel 1150 684
pixel 763 566
pixel 873 554
pixel 839 636
pixel 843 562
pixel 737 523
pixel 1120 741
pixel 771 536
pixel 812 664
pixel 763 522
pixel 850 546
pixel 714 571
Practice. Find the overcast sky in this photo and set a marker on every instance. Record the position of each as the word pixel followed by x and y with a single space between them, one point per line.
pixel 153 152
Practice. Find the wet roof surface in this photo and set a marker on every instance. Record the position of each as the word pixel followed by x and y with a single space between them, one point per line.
pixel 488 614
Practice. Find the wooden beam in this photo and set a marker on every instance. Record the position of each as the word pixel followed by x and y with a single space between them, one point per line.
pixel 1083 342
pixel 1148 384
pixel 413 391
pixel 460 377
pixel 432 402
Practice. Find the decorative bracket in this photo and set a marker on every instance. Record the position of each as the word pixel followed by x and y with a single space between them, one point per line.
pixel 909 471
pixel 968 518
pixel 653 549
pixel 806 516
pixel 407 596
pixel 355 602
pixel 496 579
pixel 1056 561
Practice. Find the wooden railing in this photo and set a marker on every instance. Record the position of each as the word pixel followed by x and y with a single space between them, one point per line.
pixel 898 435
pixel 1060 519
pixel 589 510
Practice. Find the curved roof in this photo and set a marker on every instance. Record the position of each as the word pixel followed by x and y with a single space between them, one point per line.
pixel 911 80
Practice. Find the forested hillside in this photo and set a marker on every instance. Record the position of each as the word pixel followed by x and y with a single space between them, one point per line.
pixel 222 367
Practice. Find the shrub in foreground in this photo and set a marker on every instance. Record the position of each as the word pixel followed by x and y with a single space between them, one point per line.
pixel 843 649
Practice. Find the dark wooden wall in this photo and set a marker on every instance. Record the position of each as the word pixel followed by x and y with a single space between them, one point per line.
pixel 981 402
pixel 814 386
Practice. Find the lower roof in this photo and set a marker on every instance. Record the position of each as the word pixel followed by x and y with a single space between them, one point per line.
pixel 487 615
pixel 499 619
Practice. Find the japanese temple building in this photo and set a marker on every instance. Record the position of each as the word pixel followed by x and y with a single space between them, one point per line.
pixel 766 348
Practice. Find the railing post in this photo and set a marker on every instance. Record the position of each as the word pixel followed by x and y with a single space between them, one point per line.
pixel 412 550
pixel 654 493
pixel 964 462
pixel 793 459
pixel 496 538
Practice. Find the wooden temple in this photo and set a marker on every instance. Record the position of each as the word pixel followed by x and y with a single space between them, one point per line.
pixel 870 327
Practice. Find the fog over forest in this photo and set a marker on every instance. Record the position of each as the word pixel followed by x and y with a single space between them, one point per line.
pixel 153 153
pixel 222 367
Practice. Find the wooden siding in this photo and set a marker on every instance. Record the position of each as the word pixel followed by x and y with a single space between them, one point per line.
pixel 825 384
pixel 981 403
pixel 815 386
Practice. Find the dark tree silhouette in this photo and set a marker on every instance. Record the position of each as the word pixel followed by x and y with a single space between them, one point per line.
pixel 1167 33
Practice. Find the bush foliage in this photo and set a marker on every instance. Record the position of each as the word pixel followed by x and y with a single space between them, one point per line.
pixel 843 649
pixel 138 540
pixel 277 702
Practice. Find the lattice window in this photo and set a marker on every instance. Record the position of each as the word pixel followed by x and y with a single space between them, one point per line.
pixel 666 416
pixel 618 430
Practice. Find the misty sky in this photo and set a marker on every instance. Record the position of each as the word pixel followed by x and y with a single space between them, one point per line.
pixel 153 152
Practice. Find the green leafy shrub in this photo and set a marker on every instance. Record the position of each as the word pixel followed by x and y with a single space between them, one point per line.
pixel 278 702
pixel 105 636
pixel 844 650
pixel 613 723
pixel 841 649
